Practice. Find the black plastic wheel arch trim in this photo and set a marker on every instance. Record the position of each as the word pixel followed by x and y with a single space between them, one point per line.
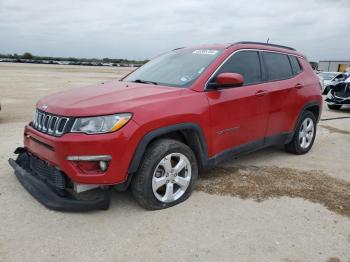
pixel 141 148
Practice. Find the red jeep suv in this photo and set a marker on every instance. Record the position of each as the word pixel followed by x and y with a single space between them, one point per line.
pixel 157 127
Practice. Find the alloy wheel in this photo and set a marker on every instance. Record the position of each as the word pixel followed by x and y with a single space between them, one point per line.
pixel 171 177
pixel 306 133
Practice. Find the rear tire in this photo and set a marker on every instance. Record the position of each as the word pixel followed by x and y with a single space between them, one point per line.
pixel 166 176
pixel 304 135
pixel 334 107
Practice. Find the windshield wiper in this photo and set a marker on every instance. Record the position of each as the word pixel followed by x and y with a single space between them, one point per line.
pixel 145 82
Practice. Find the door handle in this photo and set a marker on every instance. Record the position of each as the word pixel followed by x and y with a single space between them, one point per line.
pixel 298 86
pixel 261 93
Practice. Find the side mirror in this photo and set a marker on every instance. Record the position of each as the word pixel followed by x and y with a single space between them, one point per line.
pixel 228 80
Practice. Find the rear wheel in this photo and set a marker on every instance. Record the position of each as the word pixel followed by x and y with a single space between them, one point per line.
pixel 166 176
pixel 334 107
pixel 304 135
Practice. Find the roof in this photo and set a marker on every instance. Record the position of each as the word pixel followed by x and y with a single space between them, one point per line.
pixel 267 47
pixel 265 44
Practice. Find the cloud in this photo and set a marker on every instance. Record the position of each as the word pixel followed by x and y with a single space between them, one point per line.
pixel 142 29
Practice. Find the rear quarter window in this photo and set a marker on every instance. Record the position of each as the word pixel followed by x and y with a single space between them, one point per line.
pixel 278 66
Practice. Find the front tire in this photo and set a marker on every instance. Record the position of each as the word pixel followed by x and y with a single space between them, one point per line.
pixel 334 107
pixel 166 176
pixel 304 135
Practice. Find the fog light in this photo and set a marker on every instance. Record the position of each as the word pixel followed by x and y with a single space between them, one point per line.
pixel 103 165
pixel 88 167
pixel 91 164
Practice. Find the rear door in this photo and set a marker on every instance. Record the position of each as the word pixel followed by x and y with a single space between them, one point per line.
pixel 239 115
pixel 283 86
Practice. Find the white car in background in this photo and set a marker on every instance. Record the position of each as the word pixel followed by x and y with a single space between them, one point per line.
pixel 330 78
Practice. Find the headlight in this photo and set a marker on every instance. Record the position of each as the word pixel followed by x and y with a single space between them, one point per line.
pixel 100 124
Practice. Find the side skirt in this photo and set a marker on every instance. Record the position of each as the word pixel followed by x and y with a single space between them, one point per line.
pixel 280 139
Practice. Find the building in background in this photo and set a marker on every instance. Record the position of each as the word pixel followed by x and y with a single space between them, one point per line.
pixel 333 66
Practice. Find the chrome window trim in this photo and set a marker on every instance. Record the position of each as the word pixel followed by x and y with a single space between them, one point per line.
pixel 256 50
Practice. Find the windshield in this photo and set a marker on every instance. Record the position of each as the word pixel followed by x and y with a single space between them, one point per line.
pixel 178 68
pixel 327 76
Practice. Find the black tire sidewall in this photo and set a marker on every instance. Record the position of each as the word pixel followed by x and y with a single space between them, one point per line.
pixel 299 149
pixel 142 186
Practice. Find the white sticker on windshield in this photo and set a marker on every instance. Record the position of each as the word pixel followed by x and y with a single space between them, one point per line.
pixel 205 52
pixel 184 79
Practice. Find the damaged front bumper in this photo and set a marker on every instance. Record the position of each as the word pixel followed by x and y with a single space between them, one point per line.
pixel 50 186
pixel 339 95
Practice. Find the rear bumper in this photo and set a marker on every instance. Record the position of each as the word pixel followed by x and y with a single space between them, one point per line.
pixel 48 196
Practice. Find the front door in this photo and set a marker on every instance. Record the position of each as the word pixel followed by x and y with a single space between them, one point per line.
pixel 239 115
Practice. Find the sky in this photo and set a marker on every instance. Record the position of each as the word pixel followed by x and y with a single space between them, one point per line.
pixel 136 29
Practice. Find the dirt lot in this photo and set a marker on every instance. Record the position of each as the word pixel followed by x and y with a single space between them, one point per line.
pixel 266 206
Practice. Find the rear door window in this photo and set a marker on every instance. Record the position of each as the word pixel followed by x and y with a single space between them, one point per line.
pixel 278 66
pixel 295 65
pixel 246 63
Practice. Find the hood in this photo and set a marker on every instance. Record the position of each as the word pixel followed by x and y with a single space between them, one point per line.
pixel 326 82
pixel 106 98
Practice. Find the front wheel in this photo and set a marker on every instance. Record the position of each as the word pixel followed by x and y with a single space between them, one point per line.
pixel 304 135
pixel 166 176
pixel 334 107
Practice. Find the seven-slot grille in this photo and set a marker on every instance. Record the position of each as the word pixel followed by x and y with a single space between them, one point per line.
pixel 49 124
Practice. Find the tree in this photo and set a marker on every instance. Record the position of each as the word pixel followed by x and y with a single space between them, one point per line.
pixel 27 55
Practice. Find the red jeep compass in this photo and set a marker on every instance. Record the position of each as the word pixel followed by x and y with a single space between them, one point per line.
pixel 157 127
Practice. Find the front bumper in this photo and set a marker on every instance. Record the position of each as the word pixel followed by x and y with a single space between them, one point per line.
pixel 53 195
pixel 338 100
pixel 57 151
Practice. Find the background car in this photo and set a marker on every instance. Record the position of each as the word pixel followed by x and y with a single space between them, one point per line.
pixel 328 79
pixel 339 95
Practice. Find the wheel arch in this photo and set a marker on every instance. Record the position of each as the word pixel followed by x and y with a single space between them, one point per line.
pixel 314 107
pixel 190 134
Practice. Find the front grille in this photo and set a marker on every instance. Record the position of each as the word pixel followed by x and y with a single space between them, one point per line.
pixel 49 123
pixel 343 92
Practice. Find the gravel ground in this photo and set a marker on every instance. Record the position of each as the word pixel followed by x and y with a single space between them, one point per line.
pixel 265 206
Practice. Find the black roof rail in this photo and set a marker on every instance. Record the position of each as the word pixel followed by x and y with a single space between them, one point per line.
pixel 266 44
